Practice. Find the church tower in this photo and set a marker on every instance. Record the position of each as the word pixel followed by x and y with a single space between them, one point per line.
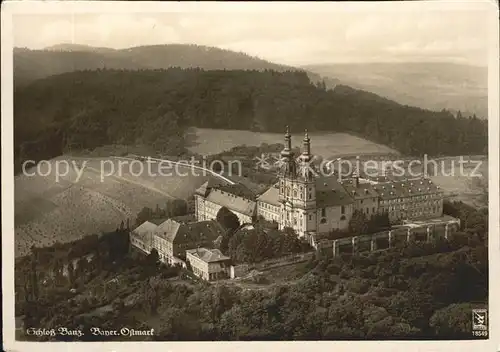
pixel 297 191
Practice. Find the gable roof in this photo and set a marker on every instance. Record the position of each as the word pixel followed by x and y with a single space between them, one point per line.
pixel 208 255
pixel 329 192
pixel 332 198
pixel 406 188
pixel 144 229
pixel 271 196
pixel 168 230
pixel 362 191
pixel 205 188
pixel 158 221
pixel 232 202
pixel 237 189
pixel 201 231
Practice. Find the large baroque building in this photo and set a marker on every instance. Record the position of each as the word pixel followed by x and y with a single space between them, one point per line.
pixel 310 202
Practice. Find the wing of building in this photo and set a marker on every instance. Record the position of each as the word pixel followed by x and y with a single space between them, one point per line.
pixel 172 238
pixel 310 202
pixel 213 195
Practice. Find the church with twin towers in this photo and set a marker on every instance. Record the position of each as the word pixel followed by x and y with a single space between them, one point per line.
pixel 311 202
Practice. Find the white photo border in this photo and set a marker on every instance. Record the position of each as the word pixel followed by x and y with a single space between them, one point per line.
pixel 11 8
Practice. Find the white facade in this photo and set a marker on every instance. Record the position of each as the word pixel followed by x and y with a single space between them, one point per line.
pixel 208 264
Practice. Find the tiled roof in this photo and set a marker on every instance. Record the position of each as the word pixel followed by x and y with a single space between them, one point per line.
pixel 238 190
pixel 362 191
pixel 329 192
pixel 172 230
pixel 208 255
pixel 158 221
pixel 332 198
pixel 407 188
pixel 144 229
pixel 168 230
pixel 271 196
pixel 208 231
pixel 326 183
pixel 205 188
pixel 232 202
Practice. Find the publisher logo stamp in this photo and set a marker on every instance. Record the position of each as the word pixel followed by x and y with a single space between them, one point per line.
pixel 479 320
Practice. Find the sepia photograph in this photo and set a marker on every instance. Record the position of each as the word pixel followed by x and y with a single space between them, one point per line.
pixel 237 171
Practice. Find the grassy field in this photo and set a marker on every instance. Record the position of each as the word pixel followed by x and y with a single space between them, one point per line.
pixel 465 185
pixel 212 141
pixel 47 211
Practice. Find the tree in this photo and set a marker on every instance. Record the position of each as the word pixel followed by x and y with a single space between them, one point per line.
pixel 151 296
pixel 227 219
pixel 153 260
pixel 358 224
pixel 230 222
pixel 453 321
pixel 71 273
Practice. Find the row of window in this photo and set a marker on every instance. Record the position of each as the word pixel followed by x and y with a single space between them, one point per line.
pixel 300 195
pixel 269 216
pixel 269 206
pixel 429 207
pixel 367 210
pixel 411 199
pixel 199 273
pixel 323 220
pixel 413 213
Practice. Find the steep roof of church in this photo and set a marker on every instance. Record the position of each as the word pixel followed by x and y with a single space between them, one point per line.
pixel 334 197
pixel 271 196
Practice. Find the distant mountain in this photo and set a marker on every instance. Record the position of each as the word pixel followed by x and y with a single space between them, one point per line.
pixel 30 65
pixel 429 85
pixel 78 47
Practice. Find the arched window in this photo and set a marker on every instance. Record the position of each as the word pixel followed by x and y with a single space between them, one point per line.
pixel 323 221
pixel 294 193
pixel 342 217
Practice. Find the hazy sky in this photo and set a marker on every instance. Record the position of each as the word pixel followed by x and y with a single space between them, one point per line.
pixel 294 38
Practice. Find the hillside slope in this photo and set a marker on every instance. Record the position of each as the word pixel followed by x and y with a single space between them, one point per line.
pixel 429 85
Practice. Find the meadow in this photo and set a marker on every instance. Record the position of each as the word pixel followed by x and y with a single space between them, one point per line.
pixel 47 210
pixel 208 141
pixel 466 186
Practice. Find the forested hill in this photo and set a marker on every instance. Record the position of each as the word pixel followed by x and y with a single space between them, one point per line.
pixel 30 65
pixel 86 109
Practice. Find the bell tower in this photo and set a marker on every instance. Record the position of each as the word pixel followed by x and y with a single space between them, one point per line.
pixel 297 192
